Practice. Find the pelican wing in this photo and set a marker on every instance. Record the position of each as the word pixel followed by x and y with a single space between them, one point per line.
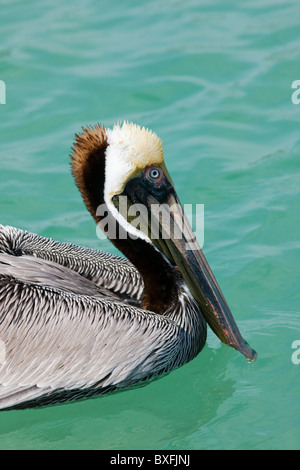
pixel 105 270
pixel 61 345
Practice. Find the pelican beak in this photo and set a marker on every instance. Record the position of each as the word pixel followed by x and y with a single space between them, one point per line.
pixel 171 233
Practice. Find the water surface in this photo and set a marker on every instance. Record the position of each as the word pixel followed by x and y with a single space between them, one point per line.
pixel 213 79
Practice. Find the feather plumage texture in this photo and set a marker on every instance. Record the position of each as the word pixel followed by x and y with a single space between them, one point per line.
pixel 68 330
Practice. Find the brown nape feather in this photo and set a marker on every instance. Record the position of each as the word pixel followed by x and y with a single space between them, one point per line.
pixel 88 166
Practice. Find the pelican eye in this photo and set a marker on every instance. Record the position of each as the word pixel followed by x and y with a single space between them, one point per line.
pixel 154 173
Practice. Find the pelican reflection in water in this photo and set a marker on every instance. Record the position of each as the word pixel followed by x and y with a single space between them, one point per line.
pixel 77 322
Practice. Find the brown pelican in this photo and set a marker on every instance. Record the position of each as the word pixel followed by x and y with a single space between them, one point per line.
pixel 76 322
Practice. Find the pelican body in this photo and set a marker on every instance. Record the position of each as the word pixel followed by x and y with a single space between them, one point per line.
pixel 76 322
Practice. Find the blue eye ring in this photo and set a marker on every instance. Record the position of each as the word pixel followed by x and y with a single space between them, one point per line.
pixel 154 173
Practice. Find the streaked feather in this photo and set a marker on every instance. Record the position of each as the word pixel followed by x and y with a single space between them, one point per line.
pixel 67 332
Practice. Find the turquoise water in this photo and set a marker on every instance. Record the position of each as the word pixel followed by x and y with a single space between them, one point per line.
pixel 213 80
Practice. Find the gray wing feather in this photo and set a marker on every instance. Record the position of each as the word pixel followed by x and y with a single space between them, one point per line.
pixel 66 330
pixel 103 269
pixel 42 272
pixel 57 341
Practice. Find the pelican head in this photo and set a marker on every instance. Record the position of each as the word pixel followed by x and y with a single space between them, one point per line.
pixel 127 162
